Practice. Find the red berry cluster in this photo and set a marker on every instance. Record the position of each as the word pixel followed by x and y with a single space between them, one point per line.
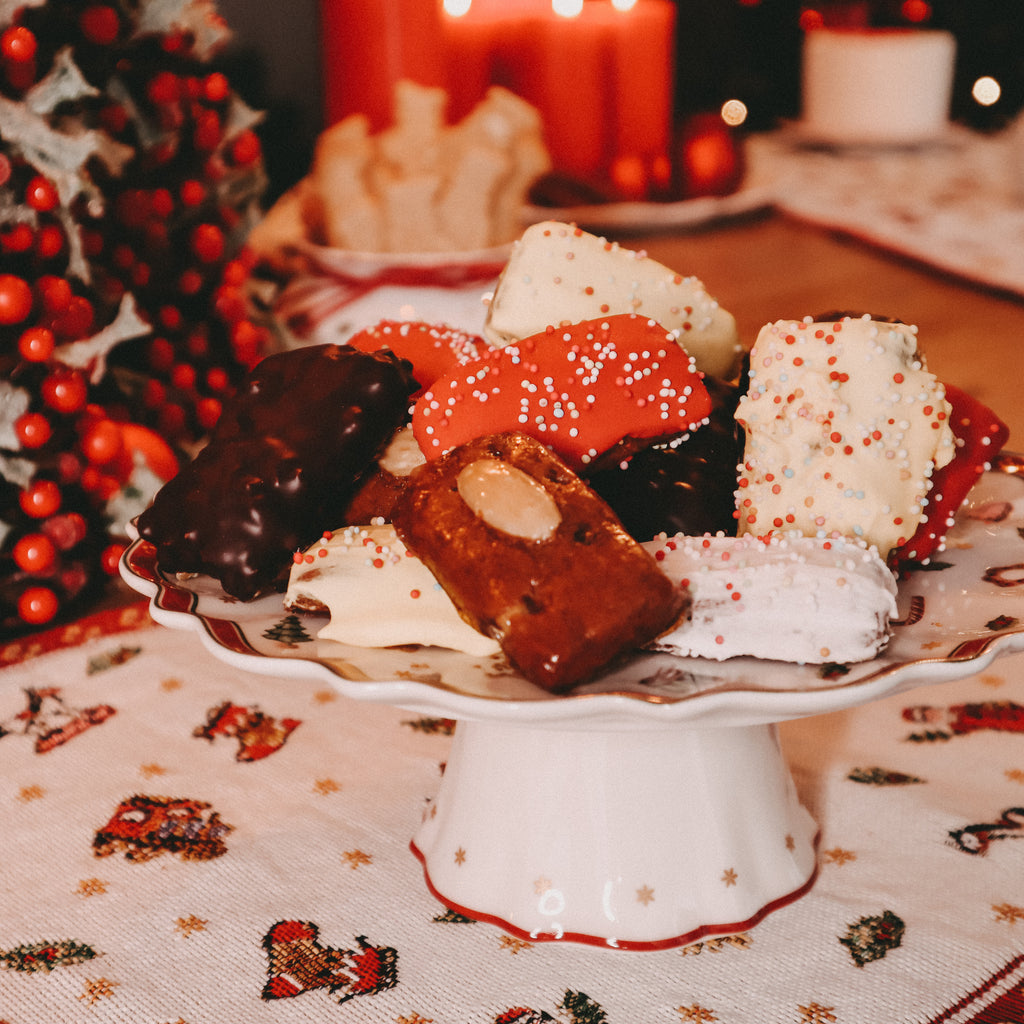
pixel 162 226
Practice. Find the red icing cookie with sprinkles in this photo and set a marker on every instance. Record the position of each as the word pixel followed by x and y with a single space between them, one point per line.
pixel 432 349
pixel 588 391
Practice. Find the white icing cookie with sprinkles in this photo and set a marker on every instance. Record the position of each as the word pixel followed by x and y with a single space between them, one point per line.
pixel 558 274
pixel 844 426
pixel 785 598
pixel 378 594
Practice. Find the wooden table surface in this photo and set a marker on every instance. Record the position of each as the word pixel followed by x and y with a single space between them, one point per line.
pixel 773 267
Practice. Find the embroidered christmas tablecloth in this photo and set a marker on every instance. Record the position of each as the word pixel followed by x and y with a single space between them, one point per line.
pixel 182 842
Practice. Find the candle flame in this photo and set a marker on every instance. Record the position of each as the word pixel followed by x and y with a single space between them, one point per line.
pixel 567 8
pixel 457 8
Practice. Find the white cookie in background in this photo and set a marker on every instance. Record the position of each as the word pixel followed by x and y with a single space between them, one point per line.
pixel 559 274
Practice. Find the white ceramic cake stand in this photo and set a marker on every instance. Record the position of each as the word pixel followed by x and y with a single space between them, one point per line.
pixel 653 806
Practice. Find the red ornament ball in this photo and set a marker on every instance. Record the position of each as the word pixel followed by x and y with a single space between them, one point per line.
pixel 99 24
pixel 111 557
pixel 208 242
pixel 216 87
pixel 32 429
pixel 41 194
pixel 65 391
pixel 49 241
pixel 15 299
pixel 37 605
pixel 35 553
pixel 18 239
pixel 54 293
pixel 101 442
pixel 40 499
pixel 36 344
pixel 18 44
pixel 246 148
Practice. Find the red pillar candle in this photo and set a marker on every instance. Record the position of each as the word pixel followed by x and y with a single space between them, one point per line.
pixel 574 87
pixel 644 59
pixel 368 45
pixel 487 42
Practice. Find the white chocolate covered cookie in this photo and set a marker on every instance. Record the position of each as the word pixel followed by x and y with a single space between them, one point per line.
pixel 844 426
pixel 558 274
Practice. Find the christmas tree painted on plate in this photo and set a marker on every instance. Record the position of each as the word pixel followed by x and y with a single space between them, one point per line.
pixel 130 173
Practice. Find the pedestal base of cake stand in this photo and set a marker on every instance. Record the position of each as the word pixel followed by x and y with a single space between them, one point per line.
pixel 638 838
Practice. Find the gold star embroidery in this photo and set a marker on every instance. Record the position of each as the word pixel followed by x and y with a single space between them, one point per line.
pixel 150 770
pixel 645 895
pixel 933 645
pixel 815 1013
pixel 91 887
pixel 730 877
pixel 324 696
pixel 100 988
pixel 541 885
pixel 514 945
pixel 990 679
pixel 28 793
pixel 170 685
pixel 1015 774
pixel 190 924
pixel 696 1014
pixel 790 843
pixel 1008 912
pixel 460 856
pixel 414 1019
pixel 323 787
pixel 356 858
pixel 837 855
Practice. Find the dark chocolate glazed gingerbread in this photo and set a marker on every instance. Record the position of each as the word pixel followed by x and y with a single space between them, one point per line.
pixel 689 488
pixel 284 460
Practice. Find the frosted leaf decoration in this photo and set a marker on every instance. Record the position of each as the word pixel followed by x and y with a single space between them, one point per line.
pixel 59 155
pixel 9 8
pixel 14 402
pixel 64 82
pixel 91 353
pixel 199 17
pixel 17 471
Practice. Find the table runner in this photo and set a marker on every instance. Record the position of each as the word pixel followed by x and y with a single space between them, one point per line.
pixel 184 842
pixel 955 204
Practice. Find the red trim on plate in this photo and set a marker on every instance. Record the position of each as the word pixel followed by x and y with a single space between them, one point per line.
pixel 141 559
pixel 627 945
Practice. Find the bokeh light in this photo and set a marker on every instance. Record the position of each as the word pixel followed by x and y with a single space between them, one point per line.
pixel 734 112
pixel 917 12
pixel 986 90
